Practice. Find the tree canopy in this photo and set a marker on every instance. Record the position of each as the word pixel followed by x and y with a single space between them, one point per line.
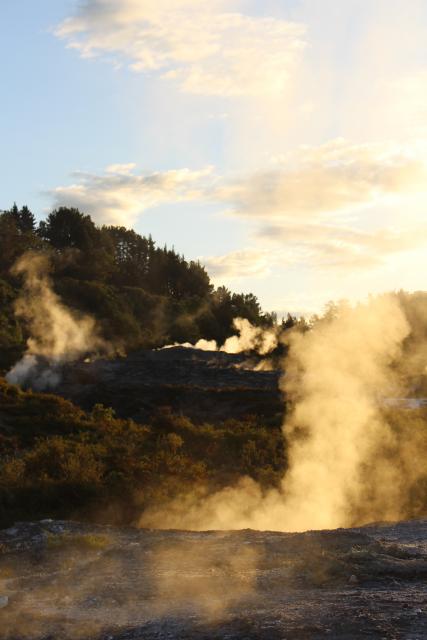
pixel 141 295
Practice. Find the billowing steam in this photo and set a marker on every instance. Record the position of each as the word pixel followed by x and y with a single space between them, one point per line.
pixel 57 334
pixel 202 344
pixel 347 462
pixel 338 374
pixel 248 338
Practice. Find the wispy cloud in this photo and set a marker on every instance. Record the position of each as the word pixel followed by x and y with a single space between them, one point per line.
pixel 239 264
pixel 205 47
pixel 326 180
pixel 309 209
pixel 118 195
pixel 309 246
pixel 342 247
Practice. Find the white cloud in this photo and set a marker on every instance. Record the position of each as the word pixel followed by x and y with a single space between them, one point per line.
pixel 337 245
pixel 310 184
pixel 238 264
pixel 121 169
pixel 318 246
pixel 347 249
pixel 326 180
pixel 119 195
pixel 296 208
pixel 204 46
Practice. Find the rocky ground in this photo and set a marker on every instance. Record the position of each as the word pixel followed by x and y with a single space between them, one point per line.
pixel 203 385
pixel 67 580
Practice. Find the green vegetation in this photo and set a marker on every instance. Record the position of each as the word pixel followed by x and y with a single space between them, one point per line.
pixel 59 461
pixel 141 295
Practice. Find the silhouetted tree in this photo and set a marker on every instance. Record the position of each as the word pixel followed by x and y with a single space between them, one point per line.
pixel 67 228
pixel 16 236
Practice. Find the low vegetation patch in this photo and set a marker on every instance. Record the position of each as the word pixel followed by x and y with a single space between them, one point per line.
pixel 59 461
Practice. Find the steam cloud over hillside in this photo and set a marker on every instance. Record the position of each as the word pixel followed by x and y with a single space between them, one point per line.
pixel 57 334
pixel 346 464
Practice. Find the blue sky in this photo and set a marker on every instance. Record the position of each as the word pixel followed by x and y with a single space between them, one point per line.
pixel 282 142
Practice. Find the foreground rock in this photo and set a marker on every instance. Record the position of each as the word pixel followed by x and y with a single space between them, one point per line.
pixel 66 580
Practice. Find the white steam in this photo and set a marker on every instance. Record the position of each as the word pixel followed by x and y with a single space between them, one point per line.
pixel 346 463
pixel 57 334
pixel 202 344
pixel 337 374
pixel 248 338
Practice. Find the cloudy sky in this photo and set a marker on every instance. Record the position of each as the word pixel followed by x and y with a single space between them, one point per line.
pixel 282 142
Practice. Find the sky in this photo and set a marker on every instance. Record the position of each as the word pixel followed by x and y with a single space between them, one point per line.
pixel 281 142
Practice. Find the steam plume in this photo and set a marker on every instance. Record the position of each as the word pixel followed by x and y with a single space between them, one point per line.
pixel 202 344
pixel 248 338
pixel 347 464
pixel 57 334
pixel 337 375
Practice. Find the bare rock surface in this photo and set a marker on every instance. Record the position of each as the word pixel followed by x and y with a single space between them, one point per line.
pixel 69 580
pixel 194 382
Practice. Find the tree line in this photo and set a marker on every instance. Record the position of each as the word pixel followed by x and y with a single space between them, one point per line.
pixel 142 295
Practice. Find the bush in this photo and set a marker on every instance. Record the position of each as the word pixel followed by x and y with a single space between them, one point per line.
pixel 59 461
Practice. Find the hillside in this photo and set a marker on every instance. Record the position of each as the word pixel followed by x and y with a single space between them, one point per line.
pixel 140 295
pixel 202 385
pixel 61 461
